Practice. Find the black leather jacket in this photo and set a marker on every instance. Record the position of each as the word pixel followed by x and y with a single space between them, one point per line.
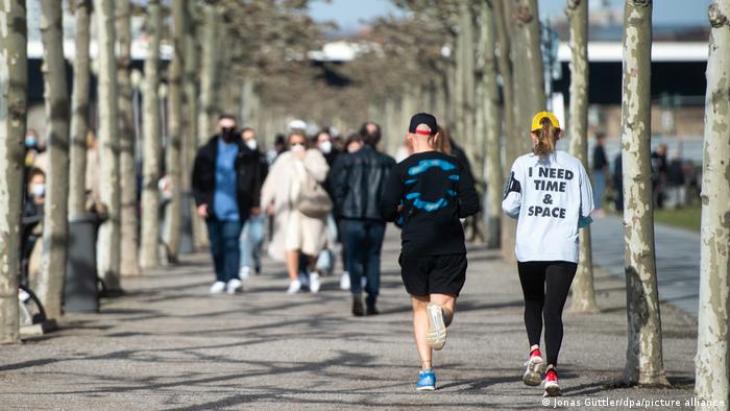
pixel 250 174
pixel 358 181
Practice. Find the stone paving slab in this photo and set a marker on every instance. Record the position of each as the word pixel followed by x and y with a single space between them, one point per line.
pixel 168 345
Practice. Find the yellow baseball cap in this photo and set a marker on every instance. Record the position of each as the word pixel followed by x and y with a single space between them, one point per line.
pixel 537 120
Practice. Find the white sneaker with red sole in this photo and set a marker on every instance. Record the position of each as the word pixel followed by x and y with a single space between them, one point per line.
pixel 535 367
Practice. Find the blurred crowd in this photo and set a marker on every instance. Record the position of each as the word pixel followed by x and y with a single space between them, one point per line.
pixel 676 181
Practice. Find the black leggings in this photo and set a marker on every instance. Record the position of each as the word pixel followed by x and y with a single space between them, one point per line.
pixel 545 285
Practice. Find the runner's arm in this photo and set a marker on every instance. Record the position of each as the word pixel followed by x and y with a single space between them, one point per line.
pixel 392 195
pixel 512 194
pixel 468 198
pixel 586 199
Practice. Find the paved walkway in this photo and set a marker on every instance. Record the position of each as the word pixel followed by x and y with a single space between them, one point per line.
pixel 677 259
pixel 168 345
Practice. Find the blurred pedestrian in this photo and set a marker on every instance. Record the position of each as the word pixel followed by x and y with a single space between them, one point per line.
pixel 293 195
pixel 225 189
pixel 278 148
pixel 252 236
pixel 550 195
pixel 676 182
pixel 600 173
pixel 326 145
pixel 659 168
pixel 433 191
pixel 357 184
pixel 35 151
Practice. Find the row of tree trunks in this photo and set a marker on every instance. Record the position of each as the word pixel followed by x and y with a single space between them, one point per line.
pixel 149 254
pixel 109 233
pixel 13 109
pixel 129 243
pixel 712 364
pixel 80 109
pixel 55 222
pixel 583 294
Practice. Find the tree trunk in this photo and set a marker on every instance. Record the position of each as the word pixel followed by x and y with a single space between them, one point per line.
pixel 108 245
pixel 55 221
pixel 712 366
pixel 583 293
pixel 174 144
pixel 511 133
pixel 209 58
pixel 80 110
pixel 129 243
pixel 492 125
pixel 192 89
pixel 13 109
pixel 644 363
pixel 466 133
pixel 149 254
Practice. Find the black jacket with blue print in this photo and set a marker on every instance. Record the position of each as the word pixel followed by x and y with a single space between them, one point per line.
pixel 434 191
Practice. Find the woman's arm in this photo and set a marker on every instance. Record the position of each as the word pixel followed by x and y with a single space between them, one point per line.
pixel 316 165
pixel 513 193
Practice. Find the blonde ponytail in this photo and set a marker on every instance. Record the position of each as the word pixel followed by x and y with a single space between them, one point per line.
pixel 547 138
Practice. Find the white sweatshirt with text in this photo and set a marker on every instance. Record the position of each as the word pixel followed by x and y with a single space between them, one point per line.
pixel 550 196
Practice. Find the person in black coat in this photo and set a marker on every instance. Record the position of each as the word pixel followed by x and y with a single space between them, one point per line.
pixel 226 186
pixel 358 181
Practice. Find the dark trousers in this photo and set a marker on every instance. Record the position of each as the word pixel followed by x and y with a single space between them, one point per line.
pixel 363 240
pixel 545 285
pixel 224 246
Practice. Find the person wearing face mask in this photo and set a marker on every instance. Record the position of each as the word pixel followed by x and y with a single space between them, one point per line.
pixel 288 195
pixel 226 187
pixel 358 185
pixel 33 207
pixel 252 236
pixel 35 155
pixel 327 147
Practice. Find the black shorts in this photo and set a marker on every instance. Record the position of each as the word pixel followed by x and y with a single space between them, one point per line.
pixel 433 274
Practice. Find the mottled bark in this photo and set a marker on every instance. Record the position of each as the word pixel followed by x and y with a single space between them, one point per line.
pixel 79 109
pixel 465 70
pixel 174 142
pixel 129 243
pixel 511 133
pixel 712 365
pixel 208 69
pixel 55 222
pixel 492 125
pixel 13 109
pixel 149 253
pixel 644 363
pixel 583 293
pixel 108 245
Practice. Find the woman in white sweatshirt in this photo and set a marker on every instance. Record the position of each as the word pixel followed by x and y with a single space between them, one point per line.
pixel 550 195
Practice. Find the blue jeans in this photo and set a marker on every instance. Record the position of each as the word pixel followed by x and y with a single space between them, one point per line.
pixel 363 240
pixel 599 186
pixel 223 236
pixel 252 238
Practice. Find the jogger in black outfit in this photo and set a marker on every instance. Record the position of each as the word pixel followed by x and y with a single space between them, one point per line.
pixel 550 195
pixel 430 191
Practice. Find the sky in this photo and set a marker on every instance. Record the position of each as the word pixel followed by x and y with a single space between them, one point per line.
pixel 349 14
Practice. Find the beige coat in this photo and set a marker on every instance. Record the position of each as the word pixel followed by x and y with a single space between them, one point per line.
pixel 292 229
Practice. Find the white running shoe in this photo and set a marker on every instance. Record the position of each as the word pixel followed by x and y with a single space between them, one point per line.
pixel 345 281
pixel 314 283
pixel 217 287
pixel 534 368
pixel 294 287
pixel 436 335
pixel 244 273
pixel 234 286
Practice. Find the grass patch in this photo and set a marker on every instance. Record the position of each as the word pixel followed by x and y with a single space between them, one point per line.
pixel 687 218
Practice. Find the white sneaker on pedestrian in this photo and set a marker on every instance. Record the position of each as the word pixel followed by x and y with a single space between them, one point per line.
pixel 436 335
pixel 303 279
pixel 244 273
pixel 363 281
pixel 294 287
pixel 234 286
pixel 217 287
pixel 314 283
pixel 345 281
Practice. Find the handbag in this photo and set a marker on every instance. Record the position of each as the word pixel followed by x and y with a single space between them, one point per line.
pixel 313 201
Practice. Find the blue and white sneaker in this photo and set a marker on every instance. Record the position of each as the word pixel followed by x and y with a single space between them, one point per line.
pixel 426 381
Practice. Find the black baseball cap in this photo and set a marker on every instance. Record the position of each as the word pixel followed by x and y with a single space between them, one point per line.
pixel 423 118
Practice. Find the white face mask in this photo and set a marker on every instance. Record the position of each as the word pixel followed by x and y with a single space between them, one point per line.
pixel 251 144
pixel 298 148
pixel 38 190
pixel 325 146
